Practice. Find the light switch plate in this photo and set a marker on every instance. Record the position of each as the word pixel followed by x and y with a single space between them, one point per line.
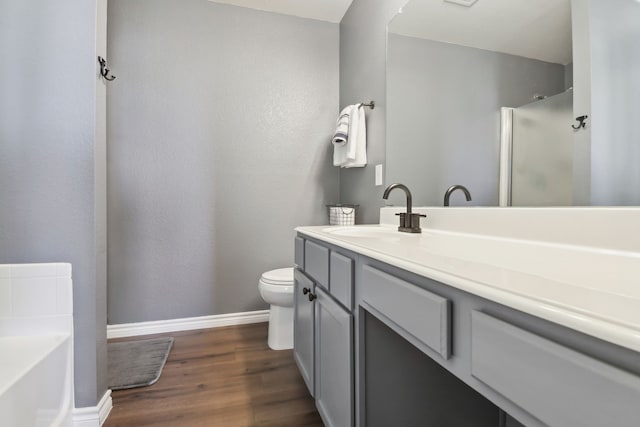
pixel 378 175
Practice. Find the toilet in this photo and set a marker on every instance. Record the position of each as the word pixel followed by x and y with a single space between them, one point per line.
pixel 276 288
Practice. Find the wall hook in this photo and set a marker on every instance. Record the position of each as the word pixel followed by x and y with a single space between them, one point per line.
pixel 581 122
pixel 104 71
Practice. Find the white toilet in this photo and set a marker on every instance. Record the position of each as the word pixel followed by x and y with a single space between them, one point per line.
pixel 276 288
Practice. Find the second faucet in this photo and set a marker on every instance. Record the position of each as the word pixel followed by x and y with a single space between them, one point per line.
pixel 453 188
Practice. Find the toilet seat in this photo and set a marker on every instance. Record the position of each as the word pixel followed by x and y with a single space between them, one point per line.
pixel 278 277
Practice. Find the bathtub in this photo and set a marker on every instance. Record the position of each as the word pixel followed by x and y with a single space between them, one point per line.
pixel 35 386
pixel 36 345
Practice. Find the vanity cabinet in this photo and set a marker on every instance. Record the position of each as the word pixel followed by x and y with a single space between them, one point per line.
pixel 379 345
pixel 323 329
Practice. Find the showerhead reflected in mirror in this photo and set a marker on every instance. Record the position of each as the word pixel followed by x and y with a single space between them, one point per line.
pixel 451 70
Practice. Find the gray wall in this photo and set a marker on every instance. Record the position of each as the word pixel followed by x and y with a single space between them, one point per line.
pixel 363 38
pixel 615 102
pixel 100 201
pixel 219 124
pixel 581 73
pixel 443 115
pixel 51 156
pixel 568 76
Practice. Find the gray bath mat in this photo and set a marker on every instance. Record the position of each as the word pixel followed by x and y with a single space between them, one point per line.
pixel 137 363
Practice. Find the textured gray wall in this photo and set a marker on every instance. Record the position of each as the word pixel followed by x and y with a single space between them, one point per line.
pixel 443 115
pixel 219 124
pixel 363 40
pixel 50 160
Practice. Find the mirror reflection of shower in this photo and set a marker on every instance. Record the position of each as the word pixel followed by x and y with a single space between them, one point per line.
pixel 537 152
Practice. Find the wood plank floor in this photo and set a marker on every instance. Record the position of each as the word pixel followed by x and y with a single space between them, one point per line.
pixel 219 377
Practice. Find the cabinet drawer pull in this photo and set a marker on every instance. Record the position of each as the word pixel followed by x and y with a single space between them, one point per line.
pixel 312 296
pixel 306 290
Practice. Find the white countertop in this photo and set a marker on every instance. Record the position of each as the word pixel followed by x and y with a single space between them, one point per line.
pixel 593 290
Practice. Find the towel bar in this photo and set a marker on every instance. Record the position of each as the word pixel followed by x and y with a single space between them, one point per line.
pixel 371 104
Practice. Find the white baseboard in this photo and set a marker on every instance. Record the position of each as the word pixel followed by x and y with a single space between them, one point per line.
pixel 105 406
pixel 93 416
pixel 186 324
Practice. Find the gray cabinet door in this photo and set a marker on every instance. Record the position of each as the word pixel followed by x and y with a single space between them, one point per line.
pixel 334 362
pixel 303 328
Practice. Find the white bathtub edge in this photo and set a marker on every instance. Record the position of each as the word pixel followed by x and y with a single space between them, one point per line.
pixel 93 416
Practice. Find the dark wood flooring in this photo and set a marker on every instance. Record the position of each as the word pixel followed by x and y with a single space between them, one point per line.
pixel 219 377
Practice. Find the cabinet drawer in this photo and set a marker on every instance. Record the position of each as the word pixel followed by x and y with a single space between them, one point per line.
pixel 298 256
pixel 316 263
pixel 417 314
pixel 555 384
pixel 341 279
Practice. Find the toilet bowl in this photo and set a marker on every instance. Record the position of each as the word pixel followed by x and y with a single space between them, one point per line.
pixel 276 288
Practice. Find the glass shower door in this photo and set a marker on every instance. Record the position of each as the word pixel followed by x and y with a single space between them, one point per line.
pixel 542 152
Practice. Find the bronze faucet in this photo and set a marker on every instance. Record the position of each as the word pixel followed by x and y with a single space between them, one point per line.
pixel 454 188
pixel 409 222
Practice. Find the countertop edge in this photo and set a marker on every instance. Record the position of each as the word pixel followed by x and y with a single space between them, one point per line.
pixel 590 325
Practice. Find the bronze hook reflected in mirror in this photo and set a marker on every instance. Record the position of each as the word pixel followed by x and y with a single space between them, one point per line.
pixel 581 122
pixel 104 71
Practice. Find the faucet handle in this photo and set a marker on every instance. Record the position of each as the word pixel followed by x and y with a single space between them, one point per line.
pixel 403 219
pixel 414 222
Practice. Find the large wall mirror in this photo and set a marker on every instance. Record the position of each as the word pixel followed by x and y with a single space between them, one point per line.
pixel 487 93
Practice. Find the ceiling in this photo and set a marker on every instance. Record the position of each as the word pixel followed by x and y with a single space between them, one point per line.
pixel 323 10
pixel 538 29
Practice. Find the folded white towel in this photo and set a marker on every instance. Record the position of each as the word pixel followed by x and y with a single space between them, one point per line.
pixel 357 141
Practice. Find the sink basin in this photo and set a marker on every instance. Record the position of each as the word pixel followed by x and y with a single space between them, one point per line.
pixel 363 231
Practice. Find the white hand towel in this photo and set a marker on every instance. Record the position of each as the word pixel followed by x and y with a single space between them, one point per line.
pixel 357 141
pixel 343 126
pixel 354 128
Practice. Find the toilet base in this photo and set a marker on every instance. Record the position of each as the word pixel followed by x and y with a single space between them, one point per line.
pixel 280 328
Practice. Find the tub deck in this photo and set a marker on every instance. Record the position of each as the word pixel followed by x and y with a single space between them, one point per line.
pixel 19 355
pixel 35 388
